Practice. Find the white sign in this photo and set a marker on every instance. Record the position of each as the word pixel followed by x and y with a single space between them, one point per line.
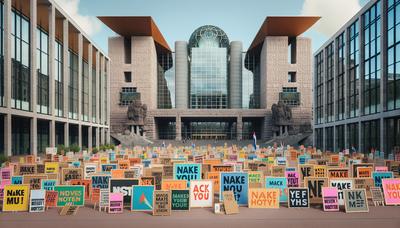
pixel 201 193
pixel 36 203
pixel 342 184
pixel 89 169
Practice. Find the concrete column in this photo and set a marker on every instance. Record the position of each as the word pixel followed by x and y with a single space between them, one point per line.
pixel 66 134
pixel 7 135
pixel 239 128
pixel 80 56
pixel 80 135
pixel 102 141
pixel 90 65
pixel 178 129
pixel 33 72
pixel 52 72
pixel 181 75
pixel 52 133
pixel 97 137
pixel 108 137
pixel 65 66
pixel 235 82
pixel 98 87
pixel 7 65
pixel 102 95
pixel 108 113
pixel 90 135
pixel 33 136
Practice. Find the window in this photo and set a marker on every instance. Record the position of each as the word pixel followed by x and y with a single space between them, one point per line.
pixel 319 75
pixel 166 81
pixel 292 50
pixel 319 139
pixel 353 135
pixel 59 79
pixel 128 95
pixel 393 56
pixel 353 64
pixel 128 76
pixel 371 136
pixel 251 81
pixel 289 89
pixel 1 57
pixel 292 77
pixel 128 50
pixel 73 85
pixel 290 96
pixel 85 91
pixel 340 42
pixel 329 83
pixel 340 138
pixel 94 88
pixel 329 139
pixel 42 62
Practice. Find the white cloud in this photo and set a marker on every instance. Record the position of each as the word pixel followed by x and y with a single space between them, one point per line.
pixel 334 13
pixel 90 25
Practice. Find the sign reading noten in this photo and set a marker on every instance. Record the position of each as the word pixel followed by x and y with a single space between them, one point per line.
pixel 330 199
pixel 263 198
pixel 187 172
pixel 355 200
pixel 180 200
pixel 391 190
pixel 16 198
pixel 236 182
pixel 162 203
pixel 298 198
pixel 201 193
pixel 73 194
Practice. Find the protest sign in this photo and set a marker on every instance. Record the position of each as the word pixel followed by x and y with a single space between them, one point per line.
pixel 221 168
pixel 16 198
pixel 355 200
pixel 134 172
pixel 86 183
pixel 214 176
pixel 188 172
pixel 34 181
pixel 123 186
pixel 341 184
pixel 306 171
pixel 378 176
pixel 330 199
pixel 263 198
pixel 298 198
pixel 100 181
pixel 236 182
pixel 116 203
pixel 157 174
pixel 320 171
pixel 95 196
pixel 377 196
pixel 364 183
pixel 354 168
pixel 364 172
pixel 104 198
pixel 68 174
pixel 16 179
pixel 180 200
pixel 230 204
pixel 173 184
pixel 314 185
pixel 51 198
pixel 37 201
pixel 255 179
pixel 168 171
pixel 292 179
pixel 48 185
pixel 381 169
pixel 142 199
pixel 162 203
pixel 123 164
pixel 338 173
pixel 219 208
pixel 147 181
pixel 278 171
pixel 279 183
pixel 6 173
pixel 117 173
pixel 108 167
pixel 391 191
pixel 70 194
pixel 26 169
pixel 89 169
pixel 51 167
pixel 201 193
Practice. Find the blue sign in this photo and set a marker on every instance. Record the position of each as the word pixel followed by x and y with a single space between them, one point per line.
pixel 101 182
pixel 146 163
pixel 303 159
pixel 290 169
pixel 16 180
pixel 237 182
pixel 188 172
pixel 108 167
pixel 76 164
pixel 142 199
pixel 111 156
pixel 281 160
pixel 378 176
pixel 49 185
pixel 279 183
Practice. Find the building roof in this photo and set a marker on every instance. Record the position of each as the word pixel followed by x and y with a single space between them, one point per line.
pixel 281 26
pixel 128 26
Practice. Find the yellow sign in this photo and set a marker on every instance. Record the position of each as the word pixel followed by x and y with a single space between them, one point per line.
pixel 320 171
pixel 16 198
pixel 51 167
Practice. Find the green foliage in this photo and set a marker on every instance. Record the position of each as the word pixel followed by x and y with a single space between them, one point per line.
pixel 74 148
pixel 61 149
pixel 95 150
pixel 3 159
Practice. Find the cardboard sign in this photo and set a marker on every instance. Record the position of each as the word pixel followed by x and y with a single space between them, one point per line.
pixel 117 173
pixel 134 172
pixel 214 176
pixel 219 208
pixel 168 171
pixel 69 210
pixel 330 199
pixel 314 186
pixel 123 186
pixel 16 179
pixel 378 176
pixel 86 183
pixel 16 198
pixel 51 167
pixel 116 203
pixel 51 198
pixel 255 179
pixel 278 171
pixel 230 204
pixel 173 184
pixel 95 196
pixel 34 181
pixel 104 197
pixel 364 172
pixel 48 185
pixel 361 165
pixel 162 203
pixel 381 169
pixel 201 193
pixel 147 181
pixel 342 184
pixel 391 190
pixel 236 182
pixel 293 178
pixel 377 196
pixel 180 200
pixel 298 198
pixel 355 200
pixel 26 169
pixel 142 199
pixel 37 201
pixel 187 172
pixel 70 194
pixel 6 173
pixel 68 174
pixel 108 167
pixel 124 164
pixel 306 171
pixel 364 183
pixel 89 169
pixel 221 168
pixel 157 178
pixel 338 173
pixel 100 181
pixel 279 183
pixel 320 171
pixel 264 198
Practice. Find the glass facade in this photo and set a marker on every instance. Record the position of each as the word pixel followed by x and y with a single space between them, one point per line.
pixel 340 42
pixel 353 135
pixel 370 137
pixel 42 62
pixel 73 85
pixel 329 139
pixel 393 56
pixel 340 138
pixel 20 138
pixel 354 74
pixel 329 83
pixel 372 63
pixel 59 79
pixel 319 139
pixel 392 135
pixel 1 56
pixel 166 81
pixel 319 75
pixel 166 128
pixel 43 137
pixel 209 129
pixel 250 82
pixel 85 91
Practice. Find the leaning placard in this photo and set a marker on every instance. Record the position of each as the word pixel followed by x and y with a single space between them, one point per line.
pixel 314 186
pixel 391 190
pixel 142 198
pixel 264 198
pixel 298 198
pixel 116 203
pixel 201 193
pixel 377 196
pixel 279 183
pixel 162 203
pixel 180 200
pixel 378 176
pixel 68 174
pixel 51 198
pixel 74 194
pixel 230 204
pixel 330 199
pixel 355 200
pixel 37 201
pixel 16 198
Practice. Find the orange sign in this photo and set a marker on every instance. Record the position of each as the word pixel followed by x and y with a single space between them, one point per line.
pixel 173 184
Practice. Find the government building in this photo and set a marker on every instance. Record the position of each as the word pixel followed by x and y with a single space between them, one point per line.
pixel 357 83
pixel 208 87
pixel 54 82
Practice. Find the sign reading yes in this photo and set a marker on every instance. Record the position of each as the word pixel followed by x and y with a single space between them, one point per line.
pixel 236 182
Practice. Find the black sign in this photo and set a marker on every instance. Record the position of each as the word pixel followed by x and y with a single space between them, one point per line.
pixel 180 200
pixel 123 186
pixel 298 197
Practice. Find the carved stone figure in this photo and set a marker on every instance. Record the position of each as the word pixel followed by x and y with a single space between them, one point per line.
pixel 137 112
pixel 281 114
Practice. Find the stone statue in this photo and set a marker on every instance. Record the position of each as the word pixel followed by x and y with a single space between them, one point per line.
pixel 281 114
pixel 137 112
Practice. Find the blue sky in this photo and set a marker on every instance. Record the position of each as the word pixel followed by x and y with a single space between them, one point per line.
pixel 240 19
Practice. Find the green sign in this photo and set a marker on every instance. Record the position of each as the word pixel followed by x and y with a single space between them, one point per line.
pixel 180 200
pixel 289 96
pixel 70 194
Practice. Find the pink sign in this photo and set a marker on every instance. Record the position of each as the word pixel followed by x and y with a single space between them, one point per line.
pixel 330 198
pixel 116 203
pixel 381 168
pixel 6 173
pixel 2 184
pixel 292 179
pixel 391 190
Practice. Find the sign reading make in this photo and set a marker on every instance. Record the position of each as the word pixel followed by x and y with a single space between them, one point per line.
pixel 123 186
pixel 236 182
pixel 187 172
